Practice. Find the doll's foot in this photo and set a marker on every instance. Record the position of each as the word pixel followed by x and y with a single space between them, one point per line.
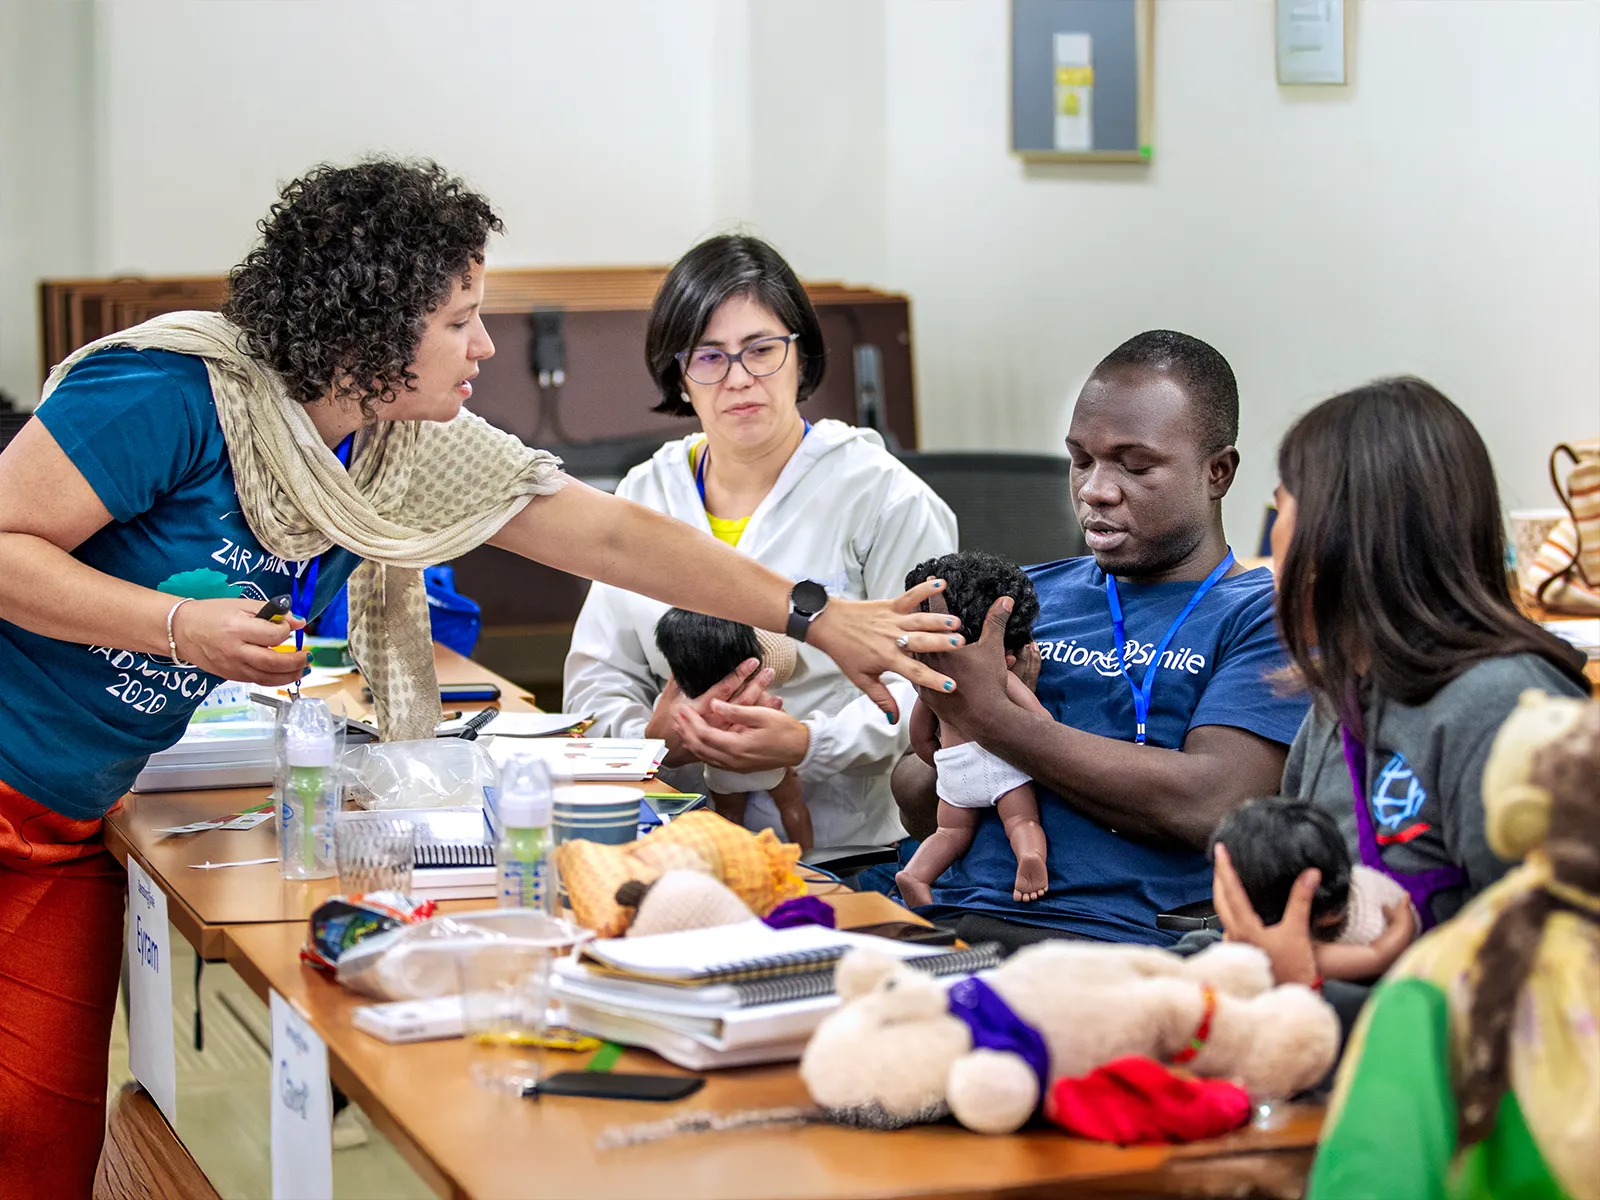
pixel 1033 878
pixel 913 891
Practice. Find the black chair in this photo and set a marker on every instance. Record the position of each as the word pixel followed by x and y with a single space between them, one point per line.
pixel 1016 505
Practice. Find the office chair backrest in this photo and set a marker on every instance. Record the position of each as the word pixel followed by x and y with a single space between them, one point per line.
pixel 1016 505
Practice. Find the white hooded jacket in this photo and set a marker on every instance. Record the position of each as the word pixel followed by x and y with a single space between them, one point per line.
pixel 844 512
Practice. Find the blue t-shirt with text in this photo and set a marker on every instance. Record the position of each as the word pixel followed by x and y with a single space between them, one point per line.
pixel 142 428
pixel 1214 672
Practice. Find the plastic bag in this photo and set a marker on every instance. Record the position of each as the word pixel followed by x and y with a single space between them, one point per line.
pixel 418 962
pixel 430 773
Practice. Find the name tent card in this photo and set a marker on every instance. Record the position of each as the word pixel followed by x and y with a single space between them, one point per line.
pixel 302 1108
pixel 150 1049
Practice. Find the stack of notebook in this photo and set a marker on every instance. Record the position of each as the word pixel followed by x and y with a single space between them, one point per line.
pixel 729 996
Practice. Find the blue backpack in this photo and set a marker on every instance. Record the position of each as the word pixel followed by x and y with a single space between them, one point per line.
pixel 456 620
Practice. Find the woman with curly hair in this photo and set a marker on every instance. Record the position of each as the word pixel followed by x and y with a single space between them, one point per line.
pixel 179 473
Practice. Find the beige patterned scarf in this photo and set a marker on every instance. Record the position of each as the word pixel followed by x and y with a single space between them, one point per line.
pixel 416 493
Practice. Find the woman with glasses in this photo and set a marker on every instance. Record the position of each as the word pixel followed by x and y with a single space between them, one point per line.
pixel 734 342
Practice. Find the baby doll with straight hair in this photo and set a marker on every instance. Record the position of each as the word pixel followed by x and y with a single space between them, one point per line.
pixel 1361 920
pixel 702 651
pixel 968 778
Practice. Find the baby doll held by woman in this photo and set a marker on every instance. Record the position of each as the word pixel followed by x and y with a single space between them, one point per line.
pixel 970 779
pixel 702 651
pixel 1361 920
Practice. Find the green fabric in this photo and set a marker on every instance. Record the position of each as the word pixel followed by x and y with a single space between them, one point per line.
pixel 1507 1164
pixel 1396 1134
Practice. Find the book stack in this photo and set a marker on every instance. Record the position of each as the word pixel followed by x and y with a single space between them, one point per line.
pixel 730 996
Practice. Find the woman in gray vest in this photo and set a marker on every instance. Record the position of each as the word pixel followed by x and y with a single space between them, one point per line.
pixel 1394 605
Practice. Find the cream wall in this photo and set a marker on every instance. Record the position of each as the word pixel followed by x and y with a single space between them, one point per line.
pixel 1440 215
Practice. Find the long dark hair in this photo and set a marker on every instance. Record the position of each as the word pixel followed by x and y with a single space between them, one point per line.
pixel 1567 770
pixel 1395 577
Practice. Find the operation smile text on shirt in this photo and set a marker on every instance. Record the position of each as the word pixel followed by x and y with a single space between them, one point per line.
pixel 1142 692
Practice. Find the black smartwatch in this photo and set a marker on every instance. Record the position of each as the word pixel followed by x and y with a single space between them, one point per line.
pixel 806 600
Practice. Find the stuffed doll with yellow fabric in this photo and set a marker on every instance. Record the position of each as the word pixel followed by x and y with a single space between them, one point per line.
pixel 756 867
pixel 1475 1069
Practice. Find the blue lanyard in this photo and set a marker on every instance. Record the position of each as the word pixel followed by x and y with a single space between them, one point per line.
pixel 705 457
pixel 1142 694
pixel 303 591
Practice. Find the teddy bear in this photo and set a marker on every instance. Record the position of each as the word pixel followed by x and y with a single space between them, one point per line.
pixel 1516 807
pixel 895 1053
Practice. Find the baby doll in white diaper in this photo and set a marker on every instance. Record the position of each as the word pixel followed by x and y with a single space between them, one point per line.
pixel 970 779
pixel 702 651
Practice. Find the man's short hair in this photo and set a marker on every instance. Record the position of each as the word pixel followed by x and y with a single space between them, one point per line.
pixel 1200 370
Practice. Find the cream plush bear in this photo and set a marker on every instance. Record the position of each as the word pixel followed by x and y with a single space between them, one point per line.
pixel 894 1055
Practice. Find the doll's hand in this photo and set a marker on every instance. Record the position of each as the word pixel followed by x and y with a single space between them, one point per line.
pixel 924 732
pixel 1338 961
pixel 1027 665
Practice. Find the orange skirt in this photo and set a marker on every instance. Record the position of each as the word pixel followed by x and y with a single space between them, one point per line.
pixel 61 926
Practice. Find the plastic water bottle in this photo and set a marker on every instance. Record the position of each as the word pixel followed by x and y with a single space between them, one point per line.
pixel 308 790
pixel 525 853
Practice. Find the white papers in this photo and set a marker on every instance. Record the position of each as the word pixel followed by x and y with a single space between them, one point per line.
pixel 302 1108
pixel 1074 92
pixel 236 822
pixel 1583 632
pixel 586 760
pixel 1311 41
pixel 150 1051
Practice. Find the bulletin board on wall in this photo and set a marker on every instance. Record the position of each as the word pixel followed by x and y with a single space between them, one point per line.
pixel 1081 75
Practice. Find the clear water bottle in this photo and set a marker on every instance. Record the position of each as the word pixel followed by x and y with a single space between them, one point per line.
pixel 308 790
pixel 525 853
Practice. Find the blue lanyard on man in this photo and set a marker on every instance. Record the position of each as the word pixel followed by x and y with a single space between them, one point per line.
pixel 705 457
pixel 303 592
pixel 1142 693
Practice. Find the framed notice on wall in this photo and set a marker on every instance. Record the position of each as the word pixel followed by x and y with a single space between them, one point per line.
pixel 1080 80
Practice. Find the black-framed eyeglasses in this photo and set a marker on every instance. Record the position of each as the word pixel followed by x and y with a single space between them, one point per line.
pixel 765 356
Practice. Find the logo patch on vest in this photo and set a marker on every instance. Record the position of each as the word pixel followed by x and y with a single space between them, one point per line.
pixel 1397 796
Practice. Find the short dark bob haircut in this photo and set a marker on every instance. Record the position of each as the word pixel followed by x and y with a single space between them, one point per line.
pixel 716 270
pixel 336 295
pixel 1395 576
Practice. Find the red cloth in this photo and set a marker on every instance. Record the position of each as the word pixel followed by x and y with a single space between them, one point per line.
pixel 1137 1099
pixel 61 915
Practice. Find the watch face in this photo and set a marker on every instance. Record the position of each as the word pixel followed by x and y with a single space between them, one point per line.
pixel 808 597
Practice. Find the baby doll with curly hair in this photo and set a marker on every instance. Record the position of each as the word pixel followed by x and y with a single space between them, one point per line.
pixel 969 778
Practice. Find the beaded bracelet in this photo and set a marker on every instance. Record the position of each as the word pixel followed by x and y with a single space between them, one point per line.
pixel 171 644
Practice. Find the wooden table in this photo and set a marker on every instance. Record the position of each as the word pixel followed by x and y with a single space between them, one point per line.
pixel 202 904
pixel 466 1141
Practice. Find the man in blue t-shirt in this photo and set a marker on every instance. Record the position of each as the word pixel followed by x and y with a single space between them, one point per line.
pixel 1133 768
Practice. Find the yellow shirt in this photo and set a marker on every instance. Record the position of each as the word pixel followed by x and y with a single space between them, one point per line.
pixel 724 529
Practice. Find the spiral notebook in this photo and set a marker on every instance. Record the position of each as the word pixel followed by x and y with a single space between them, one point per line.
pixel 732 953
pixel 588 984
pixel 455 853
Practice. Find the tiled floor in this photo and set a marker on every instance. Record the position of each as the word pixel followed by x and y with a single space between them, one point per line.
pixel 222 1093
